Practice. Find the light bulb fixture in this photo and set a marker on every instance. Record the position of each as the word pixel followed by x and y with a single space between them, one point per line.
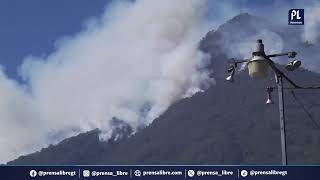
pixel 232 71
pixel 293 65
pixel 258 65
pixel 269 98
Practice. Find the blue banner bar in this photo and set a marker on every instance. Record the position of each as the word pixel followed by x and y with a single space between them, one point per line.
pixel 161 172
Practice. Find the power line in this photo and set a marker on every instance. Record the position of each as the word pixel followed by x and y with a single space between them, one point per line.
pixel 305 109
pixel 258 66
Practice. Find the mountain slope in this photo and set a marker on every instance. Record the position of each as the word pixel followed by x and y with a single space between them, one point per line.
pixel 227 124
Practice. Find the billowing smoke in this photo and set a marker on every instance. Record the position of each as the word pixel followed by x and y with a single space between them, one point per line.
pixel 312 26
pixel 129 64
pixel 244 47
pixel 269 22
pixel 132 63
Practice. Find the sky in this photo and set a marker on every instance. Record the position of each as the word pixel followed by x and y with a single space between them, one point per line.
pixel 82 67
pixel 72 66
pixel 33 26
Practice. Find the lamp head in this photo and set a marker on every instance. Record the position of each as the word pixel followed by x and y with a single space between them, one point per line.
pixel 293 65
pixel 269 98
pixel 259 64
pixel 230 78
pixel 232 71
pixel 269 101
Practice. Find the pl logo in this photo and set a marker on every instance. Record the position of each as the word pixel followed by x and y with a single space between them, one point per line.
pixel 296 17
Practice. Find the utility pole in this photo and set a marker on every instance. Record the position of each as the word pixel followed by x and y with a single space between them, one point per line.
pixel 282 121
pixel 258 66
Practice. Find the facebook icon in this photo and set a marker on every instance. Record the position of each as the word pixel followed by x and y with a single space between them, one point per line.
pixel 296 17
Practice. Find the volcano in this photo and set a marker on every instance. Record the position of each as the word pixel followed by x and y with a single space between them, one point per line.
pixel 229 123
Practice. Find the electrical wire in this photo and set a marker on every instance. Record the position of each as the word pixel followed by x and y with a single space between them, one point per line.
pixel 305 109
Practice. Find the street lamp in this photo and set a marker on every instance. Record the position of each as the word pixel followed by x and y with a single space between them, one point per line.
pixel 293 65
pixel 258 67
pixel 269 98
pixel 232 71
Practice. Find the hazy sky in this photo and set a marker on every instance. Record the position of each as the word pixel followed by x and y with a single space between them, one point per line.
pixel 32 27
pixel 131 58
pixel 132 61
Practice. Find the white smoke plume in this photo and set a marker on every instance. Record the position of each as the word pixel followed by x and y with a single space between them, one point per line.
pixel 139 56
pixel 273 29
pixel 272 41
pixel 312 25
pixel 131 63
